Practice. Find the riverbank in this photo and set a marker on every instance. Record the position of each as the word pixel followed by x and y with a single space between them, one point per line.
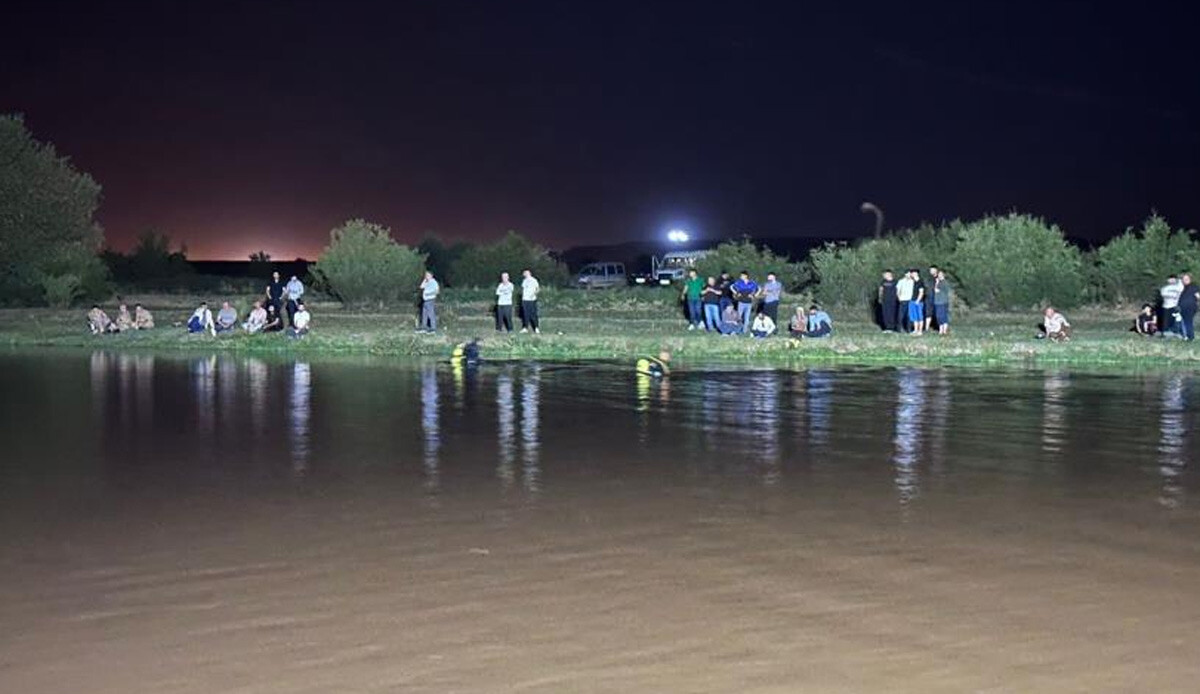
pixel 620 325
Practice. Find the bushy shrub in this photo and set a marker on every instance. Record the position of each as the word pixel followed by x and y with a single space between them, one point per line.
pixel 1132 266
pixel 480 266
pixel 735 256
pixel 61 290
pixel 47 229
pixel 1016 262
pixel 364 265
pixel 850 274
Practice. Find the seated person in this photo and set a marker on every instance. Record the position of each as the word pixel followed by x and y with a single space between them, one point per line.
pixel 1146 323
pixel 763 326
pixel 142 320
pixel 274 321
pixel 99 322
pixel 201 320
pixel 819 323
pixel 227 318
pixel 300 321
pixel 1054 326
pixel 257 320
pixel 124 320
pixel 731 322
pixel 799 325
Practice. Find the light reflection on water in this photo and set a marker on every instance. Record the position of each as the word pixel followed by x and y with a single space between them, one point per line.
pixel 924 426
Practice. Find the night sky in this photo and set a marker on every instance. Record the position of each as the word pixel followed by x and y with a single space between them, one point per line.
pixel 240 126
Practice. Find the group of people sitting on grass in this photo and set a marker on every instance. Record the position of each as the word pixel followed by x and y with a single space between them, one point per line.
pixel 263 318
pixel 912 305
pixel 99 322
pixel 727 306
pixel 1175 314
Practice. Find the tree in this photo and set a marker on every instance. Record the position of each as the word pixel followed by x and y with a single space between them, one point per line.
pixel 1132 266
pixel 363 265
pixel 440 257
pixel 260 257
pixel 480 266
pixel 1016 262
pixel 850 274
pixel 48 236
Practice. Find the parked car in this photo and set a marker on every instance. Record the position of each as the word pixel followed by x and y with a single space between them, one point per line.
pixel 602 276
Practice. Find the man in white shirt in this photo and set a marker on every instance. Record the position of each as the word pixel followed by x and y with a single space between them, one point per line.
pixel 504 304
pixel 256 320
pixel 429 292
pixel 299 322
pixel 295 290
pixel 904 294
pixel 1170 304
pixel 202 320
pixel 529 305
pixel 1055 326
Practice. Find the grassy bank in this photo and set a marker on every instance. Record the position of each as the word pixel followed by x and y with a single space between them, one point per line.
pixel 620 325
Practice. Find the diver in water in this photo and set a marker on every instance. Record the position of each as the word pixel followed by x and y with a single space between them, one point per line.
pixel 466 353
pixel 655 366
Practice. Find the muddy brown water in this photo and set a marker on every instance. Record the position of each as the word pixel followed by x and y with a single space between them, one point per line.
pixel 222 524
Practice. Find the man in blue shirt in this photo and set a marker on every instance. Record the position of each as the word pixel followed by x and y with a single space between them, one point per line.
pixel 745 290
pixel 819 323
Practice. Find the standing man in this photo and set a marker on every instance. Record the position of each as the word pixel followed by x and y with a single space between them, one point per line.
pixel 916 307
pixel 1188 298
pixel 887 302
pixel 275 290
pixel 724 282
pixel 772 292
pixel 1170 294
pixel 504 304
pixel 295 290
pixel 429 292
pixel 904 295
pixel 711 299
pixel 744 292
pixel 529 302
pixel 933 275
pixel 693 287
pixel 942 293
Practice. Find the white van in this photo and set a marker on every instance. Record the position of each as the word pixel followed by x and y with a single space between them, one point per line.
pixel 602 276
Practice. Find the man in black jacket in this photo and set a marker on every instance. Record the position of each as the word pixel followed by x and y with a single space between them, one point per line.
pixel 1187 307
pixel 888 304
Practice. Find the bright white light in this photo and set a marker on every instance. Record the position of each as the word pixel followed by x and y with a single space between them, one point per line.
pixel 677 236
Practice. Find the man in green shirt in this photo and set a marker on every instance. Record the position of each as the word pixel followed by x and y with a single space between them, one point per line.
pixel 693 287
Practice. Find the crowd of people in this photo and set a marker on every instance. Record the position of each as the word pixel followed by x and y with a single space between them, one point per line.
pixel 910 304
pixel 1175 313
pixel 280 299
pixel 727 306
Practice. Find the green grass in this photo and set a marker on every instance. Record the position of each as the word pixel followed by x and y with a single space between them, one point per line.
pixel 624 324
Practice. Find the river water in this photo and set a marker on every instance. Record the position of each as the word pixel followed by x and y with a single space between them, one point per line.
pixel 232 524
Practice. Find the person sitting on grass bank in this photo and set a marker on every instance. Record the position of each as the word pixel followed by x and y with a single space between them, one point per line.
pixel 763 325
pixel 1146 323
pixel 300 321
pixel 655 367
pixel 731 321
pixel 799 325
pixel 227 318
pixel 1054 327
pixel 257 320
pixel 819 322
pixel 99 322
pixel 124 320
pixel 142 319
pixel 274 322
pixel 202 320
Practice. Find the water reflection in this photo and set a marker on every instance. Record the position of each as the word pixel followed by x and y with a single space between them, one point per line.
pixel 530 441
pixel 506 432
pixel 1172 431
pixel 763 426
pixel 1054 394
pixel 430 424
pixel 300 412
pixel 256 378
pixel 820 406
pixel 910 406
pixel 204 382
